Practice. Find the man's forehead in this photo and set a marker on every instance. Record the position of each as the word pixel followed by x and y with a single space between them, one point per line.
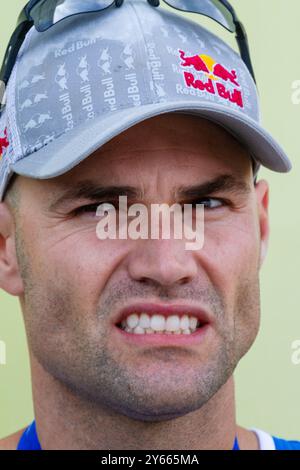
pixel 164 158
pixel 174 182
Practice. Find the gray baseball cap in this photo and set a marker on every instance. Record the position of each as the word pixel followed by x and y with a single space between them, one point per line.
pixel 90 77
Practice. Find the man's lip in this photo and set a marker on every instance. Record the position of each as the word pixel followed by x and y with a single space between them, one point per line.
pixel 165 310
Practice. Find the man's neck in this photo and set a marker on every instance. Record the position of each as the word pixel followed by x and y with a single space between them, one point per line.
pixel 66 421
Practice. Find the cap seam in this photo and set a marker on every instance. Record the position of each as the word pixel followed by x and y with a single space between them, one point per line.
pixel 11 116
pixel 16 143
pixel 146 52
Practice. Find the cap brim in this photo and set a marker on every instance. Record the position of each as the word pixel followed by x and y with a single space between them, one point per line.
pixel 66 151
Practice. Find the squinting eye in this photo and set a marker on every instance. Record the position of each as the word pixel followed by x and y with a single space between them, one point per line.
pixel 209 203
pixel 215 205
pixel 93 208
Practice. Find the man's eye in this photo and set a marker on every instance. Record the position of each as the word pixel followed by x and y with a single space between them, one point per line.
pixel 210 202
pixel 92 208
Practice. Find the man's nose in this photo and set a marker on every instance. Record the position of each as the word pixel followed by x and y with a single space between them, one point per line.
pixel 166 262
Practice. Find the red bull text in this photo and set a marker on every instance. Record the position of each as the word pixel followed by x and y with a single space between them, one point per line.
pixel 217 77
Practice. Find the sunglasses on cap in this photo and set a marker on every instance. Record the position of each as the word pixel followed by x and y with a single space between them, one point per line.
pixel 45 13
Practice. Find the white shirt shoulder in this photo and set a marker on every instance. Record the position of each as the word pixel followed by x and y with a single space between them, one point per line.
pixel 266 441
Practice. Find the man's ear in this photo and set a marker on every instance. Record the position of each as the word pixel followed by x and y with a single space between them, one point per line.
pixel 262 194
pixel 10 279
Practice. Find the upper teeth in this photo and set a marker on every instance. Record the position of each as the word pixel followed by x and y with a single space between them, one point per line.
pixel 158 322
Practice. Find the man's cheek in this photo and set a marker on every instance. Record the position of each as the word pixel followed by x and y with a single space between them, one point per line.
pixel 231 251
pixel 86 267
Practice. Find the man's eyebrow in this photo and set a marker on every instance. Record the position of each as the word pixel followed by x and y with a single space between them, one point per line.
pixel 227 183
pixel 94 192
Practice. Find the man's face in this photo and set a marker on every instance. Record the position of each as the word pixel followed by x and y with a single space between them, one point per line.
pixel 75 284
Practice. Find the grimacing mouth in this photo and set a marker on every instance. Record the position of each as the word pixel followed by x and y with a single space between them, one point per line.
pixel 157 318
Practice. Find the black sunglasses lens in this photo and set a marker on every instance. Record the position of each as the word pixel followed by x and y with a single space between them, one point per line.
pixel 214 9
pixel 48 12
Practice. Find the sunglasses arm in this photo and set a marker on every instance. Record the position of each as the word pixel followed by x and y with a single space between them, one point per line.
pixel 242 40
pixel 14 45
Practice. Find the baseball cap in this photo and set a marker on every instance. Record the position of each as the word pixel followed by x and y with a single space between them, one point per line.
pixel 90 77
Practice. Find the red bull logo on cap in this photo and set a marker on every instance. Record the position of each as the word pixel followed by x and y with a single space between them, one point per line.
pixel 217 80
pixel 3 143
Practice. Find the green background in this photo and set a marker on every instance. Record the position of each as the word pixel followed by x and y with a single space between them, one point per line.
pixel 267 382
